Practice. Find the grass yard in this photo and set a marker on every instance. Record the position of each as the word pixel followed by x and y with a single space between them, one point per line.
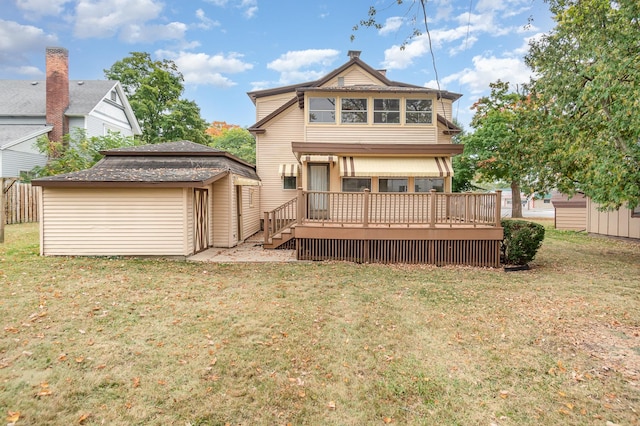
pixel 156 342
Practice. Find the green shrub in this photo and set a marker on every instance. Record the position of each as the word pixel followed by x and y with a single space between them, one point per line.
pixel 521 241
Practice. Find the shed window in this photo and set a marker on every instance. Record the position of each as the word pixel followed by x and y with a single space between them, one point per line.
pixel 322 110
pixel 419 111
pixel 386 111
pixel 351 184
pixel 392 185
pixel 354 110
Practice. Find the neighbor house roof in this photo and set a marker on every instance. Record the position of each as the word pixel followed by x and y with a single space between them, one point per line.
pixel 171 164
pixel 11 134
pixel 28 98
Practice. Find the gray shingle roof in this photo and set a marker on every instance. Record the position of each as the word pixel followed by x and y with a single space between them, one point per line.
pixel 28 98
pixel 12 132
pixel 182 163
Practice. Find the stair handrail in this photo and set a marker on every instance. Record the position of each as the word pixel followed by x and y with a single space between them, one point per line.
pixel 280 219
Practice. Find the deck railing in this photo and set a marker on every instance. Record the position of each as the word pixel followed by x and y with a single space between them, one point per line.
pixel 398 209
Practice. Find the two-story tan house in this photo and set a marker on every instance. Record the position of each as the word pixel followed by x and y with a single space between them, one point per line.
pixel 357 159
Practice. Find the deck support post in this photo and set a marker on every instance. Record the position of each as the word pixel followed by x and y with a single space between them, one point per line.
pixel 498 208
pixel 300 207
pixel 365 208
pixel 267 227
pixel 432 212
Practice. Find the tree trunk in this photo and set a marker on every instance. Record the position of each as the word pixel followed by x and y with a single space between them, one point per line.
pixel 516 201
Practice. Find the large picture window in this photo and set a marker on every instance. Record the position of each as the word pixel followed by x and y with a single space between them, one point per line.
pixel 322 110
pixel 427 184
pixel 392 185
pixel 419 111
pixel 354 110
pixel 386 111
pixel 352 184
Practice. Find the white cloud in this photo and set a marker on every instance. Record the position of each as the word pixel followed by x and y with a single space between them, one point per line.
pixel 201 68
pixel 150 33
pixel 205 22
pixel 249 7
pixel 17 41
pixel 487 70
pixel 42 7
pixel 105 18
pixel 391 25
pixel 293 66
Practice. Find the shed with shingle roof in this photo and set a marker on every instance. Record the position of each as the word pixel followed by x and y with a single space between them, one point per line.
pixel 168 199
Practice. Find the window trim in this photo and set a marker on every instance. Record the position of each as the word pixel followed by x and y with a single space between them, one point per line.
pixel 285 179
pixel 386 112
pixel 346 178
pixel 355 112
pixel 310 110
pixel 424 112
pixel 406 179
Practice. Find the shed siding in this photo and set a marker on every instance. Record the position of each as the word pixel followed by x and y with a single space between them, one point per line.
pixel 223 211
pixel 571 219
pixel 113 221
pixel 250 215
pixel 617 223
pixel 274 148
pixel 189 222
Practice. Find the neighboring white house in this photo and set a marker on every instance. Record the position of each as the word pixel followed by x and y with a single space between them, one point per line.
pixel 54 107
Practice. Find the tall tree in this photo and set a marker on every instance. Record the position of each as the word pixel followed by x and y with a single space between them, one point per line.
pixel 154 90
pixel 502 146
pixel 237 141
pixel 76 151
pixel 588 83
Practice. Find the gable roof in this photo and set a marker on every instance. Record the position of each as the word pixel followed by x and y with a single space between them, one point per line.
pixel 316 86
pixel 170 164
pixel 13 134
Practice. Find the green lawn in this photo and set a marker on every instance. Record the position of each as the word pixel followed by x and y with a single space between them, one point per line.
pixel 125 341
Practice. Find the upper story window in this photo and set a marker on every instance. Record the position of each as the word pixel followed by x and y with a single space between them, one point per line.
pixel 114 96
pixel 322 110
pixel 419 111
pixel 386 111
pixel 354 110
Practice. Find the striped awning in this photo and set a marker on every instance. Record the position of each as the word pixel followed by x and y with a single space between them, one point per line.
pixel 396 166
pixel 315 158
pixel 288 169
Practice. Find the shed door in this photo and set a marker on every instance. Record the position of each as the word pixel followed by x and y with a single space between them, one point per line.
pixel 200 220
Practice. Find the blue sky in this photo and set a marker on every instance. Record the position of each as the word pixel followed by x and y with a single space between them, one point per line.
pixel 226 48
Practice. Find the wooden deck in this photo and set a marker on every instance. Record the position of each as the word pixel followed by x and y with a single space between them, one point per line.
pixel 434 228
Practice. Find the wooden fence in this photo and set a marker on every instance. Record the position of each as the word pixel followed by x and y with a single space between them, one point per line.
pixel 21 202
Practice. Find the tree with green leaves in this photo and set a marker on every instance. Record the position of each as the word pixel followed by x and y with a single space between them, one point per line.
pixel 503 145
pixel 76 151
pixel 588 88
pixel 154 90
pixel 237 141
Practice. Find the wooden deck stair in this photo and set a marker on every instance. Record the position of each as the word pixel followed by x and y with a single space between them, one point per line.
pixel 280 239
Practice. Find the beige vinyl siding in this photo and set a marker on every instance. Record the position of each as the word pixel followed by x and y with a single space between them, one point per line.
pixel 250 215
pixel 370 134
pixel 266 105
pixel 617 223
pixel 443 107
pixel 223 211
pixel 571 219
pixel 352 76
pixel 113 221
pixel 274 148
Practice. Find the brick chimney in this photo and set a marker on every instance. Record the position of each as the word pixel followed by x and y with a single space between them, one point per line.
pixel 57 84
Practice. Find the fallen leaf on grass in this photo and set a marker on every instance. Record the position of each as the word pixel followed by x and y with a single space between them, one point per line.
pixel 13 416
pixel 80 359
pixel 504 394
pixel 162 382
pixel 331 405
pixel 387 420
pixel 136 382
pixel 83 418
pixel 44 389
